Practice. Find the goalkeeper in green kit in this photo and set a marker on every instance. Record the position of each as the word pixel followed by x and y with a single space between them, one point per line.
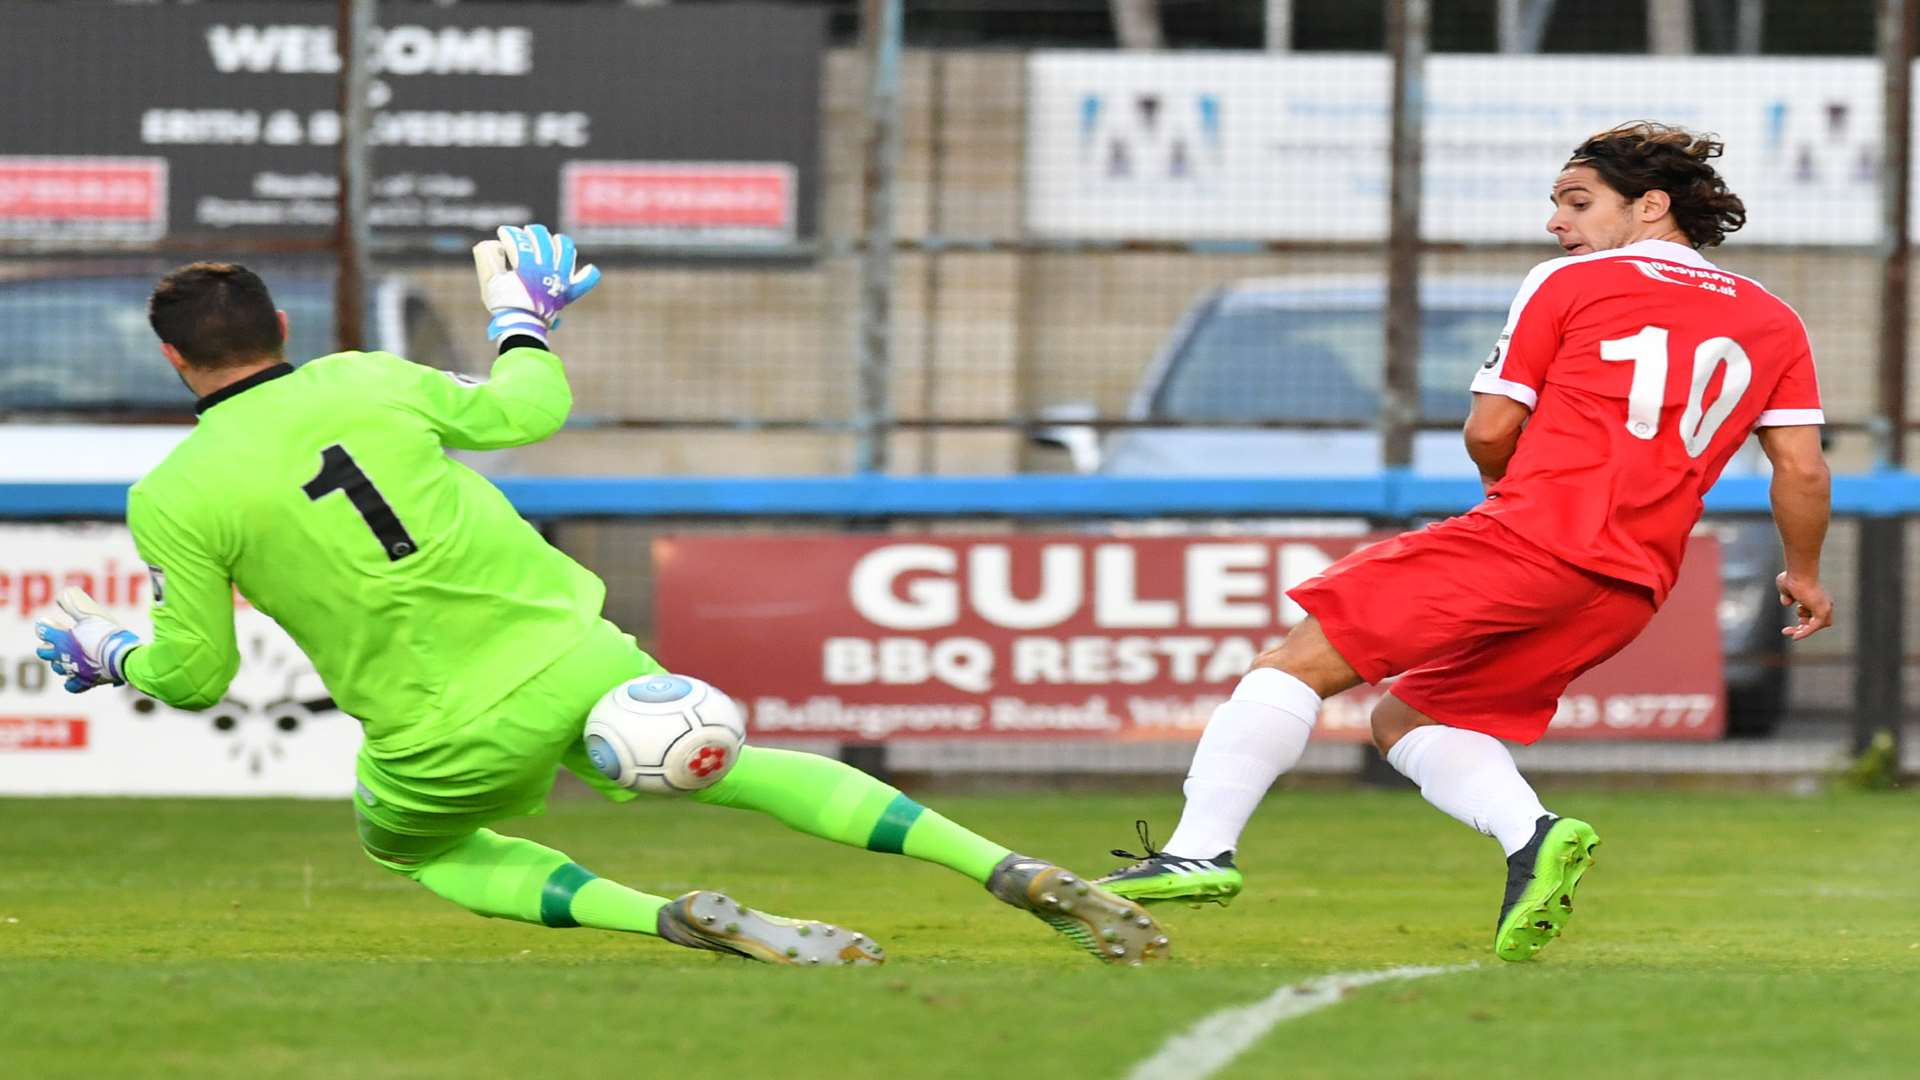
pixel 469 648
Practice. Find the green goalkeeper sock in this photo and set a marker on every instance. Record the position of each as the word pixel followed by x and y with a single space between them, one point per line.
pixel 838 802
pixel 506 877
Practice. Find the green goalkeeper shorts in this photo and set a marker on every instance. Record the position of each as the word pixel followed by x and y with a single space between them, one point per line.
pixel 501 765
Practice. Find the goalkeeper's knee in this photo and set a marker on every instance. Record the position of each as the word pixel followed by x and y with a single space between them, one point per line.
pixel 401 852
pixel 504 877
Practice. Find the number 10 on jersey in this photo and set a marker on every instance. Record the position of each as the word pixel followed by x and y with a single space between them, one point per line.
pixel 1647 395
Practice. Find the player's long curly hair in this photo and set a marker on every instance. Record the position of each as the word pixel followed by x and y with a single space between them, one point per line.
pixel 1639 157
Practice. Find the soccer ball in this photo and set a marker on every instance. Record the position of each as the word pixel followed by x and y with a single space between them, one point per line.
pixel 665 734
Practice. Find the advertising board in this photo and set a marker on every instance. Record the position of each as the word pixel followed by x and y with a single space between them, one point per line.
pixel 206 123
pixel 1256 146
pixel 1075 636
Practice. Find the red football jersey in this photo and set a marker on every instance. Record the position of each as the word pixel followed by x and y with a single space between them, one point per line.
pixel 1646 367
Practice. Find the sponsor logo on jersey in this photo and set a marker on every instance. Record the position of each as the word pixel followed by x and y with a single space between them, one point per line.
pixel 158 578
pixel 1714 280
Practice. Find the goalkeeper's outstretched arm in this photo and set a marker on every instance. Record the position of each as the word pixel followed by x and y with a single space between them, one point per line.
pixel 525 400
pixel 192 657
pixel 527 276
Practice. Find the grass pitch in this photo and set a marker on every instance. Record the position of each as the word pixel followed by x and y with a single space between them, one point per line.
pixel 1719 935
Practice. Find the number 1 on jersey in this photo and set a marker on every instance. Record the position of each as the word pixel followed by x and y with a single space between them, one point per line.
pixel 1647 394
pixel 339 472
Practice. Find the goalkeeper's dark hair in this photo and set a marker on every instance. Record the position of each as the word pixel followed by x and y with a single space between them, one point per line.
pixel 217 314
pixel 1644 156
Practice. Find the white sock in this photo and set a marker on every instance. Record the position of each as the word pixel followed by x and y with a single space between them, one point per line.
pixel 1250 739
pixel 1472 777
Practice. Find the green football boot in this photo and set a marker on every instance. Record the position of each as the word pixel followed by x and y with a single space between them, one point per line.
pixel 1541 878
pixel 711 920
pixel 1157 876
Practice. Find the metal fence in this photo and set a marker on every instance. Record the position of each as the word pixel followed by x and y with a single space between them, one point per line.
pixel 1055 215
pixel 999 254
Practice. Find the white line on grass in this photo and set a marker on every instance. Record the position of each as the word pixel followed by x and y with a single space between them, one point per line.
pixel 1208 1046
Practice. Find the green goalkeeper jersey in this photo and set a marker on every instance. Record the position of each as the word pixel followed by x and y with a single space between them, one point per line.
pixel 326 495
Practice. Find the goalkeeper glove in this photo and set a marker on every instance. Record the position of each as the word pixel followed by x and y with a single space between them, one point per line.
pixel 526 277
pixel 83 644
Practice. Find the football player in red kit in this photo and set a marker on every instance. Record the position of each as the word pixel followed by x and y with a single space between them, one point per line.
pixel 1629 372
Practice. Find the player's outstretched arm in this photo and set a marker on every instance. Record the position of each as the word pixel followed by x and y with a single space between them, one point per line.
pixel 193 657
pixel 525 399
pixel 527 277
pixel 1801 495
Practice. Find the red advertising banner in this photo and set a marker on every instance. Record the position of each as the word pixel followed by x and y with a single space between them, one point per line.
pixel 622 199
pixel 42 733
pixel 122 197
pixel 1118 638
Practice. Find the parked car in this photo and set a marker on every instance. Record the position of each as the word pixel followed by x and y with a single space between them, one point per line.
pixel 1311 350
pixel 86 395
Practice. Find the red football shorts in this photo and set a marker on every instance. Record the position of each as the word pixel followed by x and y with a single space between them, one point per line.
pixel 1484 628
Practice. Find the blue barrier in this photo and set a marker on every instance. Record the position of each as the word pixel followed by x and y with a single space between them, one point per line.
pixel 1390 495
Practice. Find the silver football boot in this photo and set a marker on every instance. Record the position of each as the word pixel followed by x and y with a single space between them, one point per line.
pixel 1115 930
pixel 711 920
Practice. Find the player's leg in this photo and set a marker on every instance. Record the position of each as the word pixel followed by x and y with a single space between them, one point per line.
pixel 509 877
pixel 1471 777
pixel 1252 738
pixel 1442 727
pixel 834 801
pixel 1467 775
pixel 807 792
pixel 422 814
pixel 1373 614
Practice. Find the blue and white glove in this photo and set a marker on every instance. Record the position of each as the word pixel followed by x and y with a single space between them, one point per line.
pixel 526 277
pixel 82 643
